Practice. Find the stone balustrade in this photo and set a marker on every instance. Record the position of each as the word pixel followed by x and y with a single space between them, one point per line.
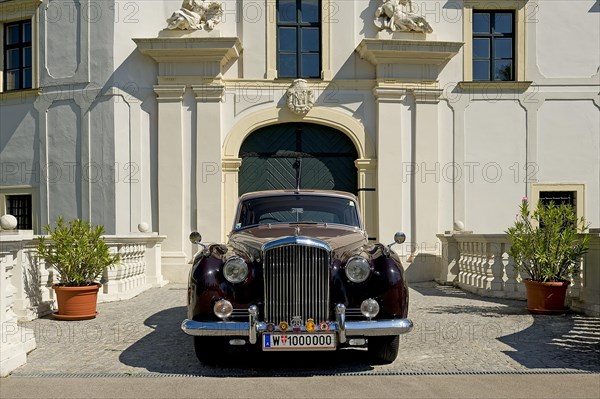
pixel 15 341
pixel 480 263
pixel 138 271
pixel 26 284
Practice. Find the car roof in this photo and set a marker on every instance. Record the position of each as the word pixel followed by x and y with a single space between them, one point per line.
pixel 277 193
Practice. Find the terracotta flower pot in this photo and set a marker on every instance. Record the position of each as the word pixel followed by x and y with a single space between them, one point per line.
pixel 76 303
pixel 546 297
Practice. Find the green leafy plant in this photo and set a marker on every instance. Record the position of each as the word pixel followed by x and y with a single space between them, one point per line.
pixel 546 243
pixel 77 251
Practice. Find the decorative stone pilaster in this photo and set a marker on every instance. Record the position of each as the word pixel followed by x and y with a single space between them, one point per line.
pixel 208 165
pixel 367 194
pixel 393 150
pixel 171 174
pixel 406 68
pixel 197 60
pixel 230 167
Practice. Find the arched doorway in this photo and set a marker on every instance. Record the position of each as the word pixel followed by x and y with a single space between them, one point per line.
pixel 270 157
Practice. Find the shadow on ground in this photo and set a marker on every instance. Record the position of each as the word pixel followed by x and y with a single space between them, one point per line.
pixel 173 353
pixel 567 341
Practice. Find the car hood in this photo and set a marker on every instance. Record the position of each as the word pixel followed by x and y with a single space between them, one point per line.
pixel 343 240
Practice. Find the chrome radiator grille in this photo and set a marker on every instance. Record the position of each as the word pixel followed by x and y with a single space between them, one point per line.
pixel 296 283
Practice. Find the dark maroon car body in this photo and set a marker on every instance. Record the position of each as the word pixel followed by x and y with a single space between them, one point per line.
pixel 311 251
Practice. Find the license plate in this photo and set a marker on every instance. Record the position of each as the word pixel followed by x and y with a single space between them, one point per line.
pixel 323 341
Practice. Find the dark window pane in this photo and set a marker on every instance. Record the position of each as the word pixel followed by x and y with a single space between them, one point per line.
pixel 503 70
pixel 481 70
pixel 13 34
pixel 310 66
pixel 27 57
pixel 503 48
pixel 27 32
pixel 12 59
pixel 503 23
pixel 287 39
pixel 27 84
pixel 310 39
pixel 558 197
pixel 481 48
pixel 310 10
pixel 287 66
pixel 481 22
pixel 287 11
pixel 20 207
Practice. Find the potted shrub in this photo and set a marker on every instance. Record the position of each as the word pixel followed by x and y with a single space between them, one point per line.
pixel 546 244
pixel 79 254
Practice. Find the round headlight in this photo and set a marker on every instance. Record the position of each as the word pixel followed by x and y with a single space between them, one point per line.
pixel 223 309
pixel 235 269
pixel 358 269
pixel 369 308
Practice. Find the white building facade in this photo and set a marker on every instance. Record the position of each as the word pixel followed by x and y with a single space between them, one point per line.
pixel 439 115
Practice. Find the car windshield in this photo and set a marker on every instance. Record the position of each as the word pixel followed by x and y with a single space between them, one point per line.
pixel 298 208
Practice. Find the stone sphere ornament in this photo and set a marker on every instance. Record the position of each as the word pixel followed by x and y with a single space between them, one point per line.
pixel 8 222
pixel 143 227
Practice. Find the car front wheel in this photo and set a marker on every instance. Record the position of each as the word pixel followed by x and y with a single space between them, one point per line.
pixel 384 350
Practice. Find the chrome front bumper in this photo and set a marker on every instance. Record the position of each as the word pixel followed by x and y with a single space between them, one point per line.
pixel 253 328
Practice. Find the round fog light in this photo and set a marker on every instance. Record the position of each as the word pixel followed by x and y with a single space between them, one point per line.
pixel 369 308
pixel 223 309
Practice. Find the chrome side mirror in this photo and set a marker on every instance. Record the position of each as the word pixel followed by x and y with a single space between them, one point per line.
pixel 399 238
pixel 195 237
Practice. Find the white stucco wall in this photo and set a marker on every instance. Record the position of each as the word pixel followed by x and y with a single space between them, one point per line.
pixel 98 106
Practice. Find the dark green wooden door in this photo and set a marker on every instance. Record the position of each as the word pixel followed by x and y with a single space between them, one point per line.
pixel 269 154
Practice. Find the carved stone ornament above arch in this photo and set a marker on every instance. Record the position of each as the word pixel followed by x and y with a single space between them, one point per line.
pixel 300 97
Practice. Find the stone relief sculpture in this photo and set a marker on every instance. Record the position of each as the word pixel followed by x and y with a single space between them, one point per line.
pixel 301 97
pixel 392 15
pixel 196 15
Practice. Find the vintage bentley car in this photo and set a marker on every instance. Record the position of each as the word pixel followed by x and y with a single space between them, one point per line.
pixel 298 273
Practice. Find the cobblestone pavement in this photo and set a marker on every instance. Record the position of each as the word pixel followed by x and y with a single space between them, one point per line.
pixel 455 332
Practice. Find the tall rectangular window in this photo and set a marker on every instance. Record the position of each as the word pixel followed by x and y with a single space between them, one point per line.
pixel 21 207
pixel 298 39
pixel 17 56
pixel 493 45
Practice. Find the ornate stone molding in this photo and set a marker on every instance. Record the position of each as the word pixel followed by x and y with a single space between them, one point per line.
pixel 428 96
pixel 191 58
pixel 364 164
pixel 169 93
pixel 231 164
pixel 396 51
pixel 300 97
pixel 196 15
pixel 389 94
pixel 18 9
pixel 209 93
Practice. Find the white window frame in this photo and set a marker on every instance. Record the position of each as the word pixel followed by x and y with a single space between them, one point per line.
pixel 518 7
pixel 325 40
pixel 578 188
pixel 22 10
pixel 31 191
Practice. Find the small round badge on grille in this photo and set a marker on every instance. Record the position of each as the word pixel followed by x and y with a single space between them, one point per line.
pixel 324 326
pixel 283 326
